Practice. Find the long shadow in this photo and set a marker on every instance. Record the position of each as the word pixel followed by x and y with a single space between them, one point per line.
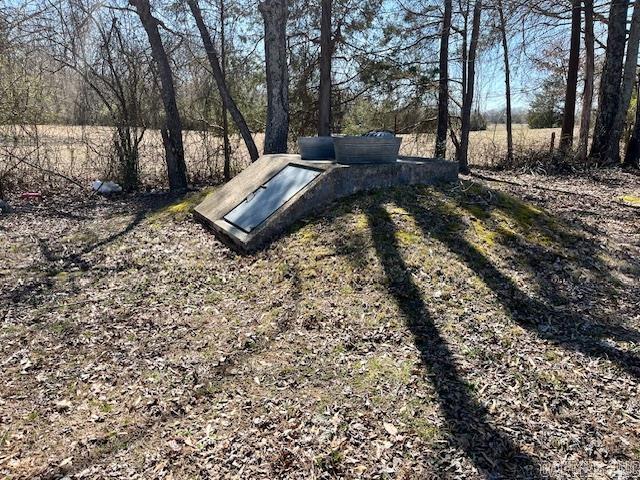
pixel 217 376
pixel 58 264
pixel 564 328
pixel 537 257
pixel 75 257
pixel 493 453
pixel 64 263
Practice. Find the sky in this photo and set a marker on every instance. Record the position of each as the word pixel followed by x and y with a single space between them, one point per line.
pixel 490 90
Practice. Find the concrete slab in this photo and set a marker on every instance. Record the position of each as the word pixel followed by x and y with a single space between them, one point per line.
pixel 288 197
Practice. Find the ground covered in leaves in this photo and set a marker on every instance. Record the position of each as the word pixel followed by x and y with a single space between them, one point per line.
pixel 488 329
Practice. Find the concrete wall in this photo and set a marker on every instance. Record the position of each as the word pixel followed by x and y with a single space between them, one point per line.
pixel 336 181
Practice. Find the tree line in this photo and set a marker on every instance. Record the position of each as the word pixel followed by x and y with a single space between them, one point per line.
pixel 290 68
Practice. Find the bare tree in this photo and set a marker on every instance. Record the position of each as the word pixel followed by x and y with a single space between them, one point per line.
pixel 632 155
pixel 274 14
pixel 628 79
pixel 507 81
pixel 225 118
pixel 568 117
pixel 218 74
pixel 96 50
pixel 121 70
pixel 587 96
pixel 443 84
pixel 21 76
pixel 172 133
pixel 467 102
pixel 610 94
pixel 326 53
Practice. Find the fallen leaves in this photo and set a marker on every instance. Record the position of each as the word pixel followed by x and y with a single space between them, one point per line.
pixel 63 405
pixel 131 347
pixel 390 428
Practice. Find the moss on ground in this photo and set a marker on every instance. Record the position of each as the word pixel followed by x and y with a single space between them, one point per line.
pixel 179 210
pixel 382 370
pixel 632 199
pixel 408 238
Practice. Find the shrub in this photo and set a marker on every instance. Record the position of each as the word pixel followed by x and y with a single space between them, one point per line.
pixel 478 122
pixel 545 110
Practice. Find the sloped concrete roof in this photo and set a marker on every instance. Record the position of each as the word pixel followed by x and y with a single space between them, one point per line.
pixel 305 187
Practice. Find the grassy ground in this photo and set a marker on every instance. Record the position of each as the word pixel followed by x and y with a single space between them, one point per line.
pixel 488 329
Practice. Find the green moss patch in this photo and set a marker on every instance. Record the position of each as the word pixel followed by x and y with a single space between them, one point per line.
pixel 631 199
pixel 181 209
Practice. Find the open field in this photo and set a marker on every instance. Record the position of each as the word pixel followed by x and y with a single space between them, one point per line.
pixel 485 147
pixel 84 153
pixel 488 329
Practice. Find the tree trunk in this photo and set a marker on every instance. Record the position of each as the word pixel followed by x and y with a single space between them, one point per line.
pixel 569 115
pixel 507 82
pixel 274 14
pixel 326 52
pixel 587 96
pixel 443 91
pixel 218 75
pixel 632 156
pixel 610 95
pixel 462 153
pixel 465 47
pixel 225 120
pixel 172 133
pixel 464 31
pixel 628 79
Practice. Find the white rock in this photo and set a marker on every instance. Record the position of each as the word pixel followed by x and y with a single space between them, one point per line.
pixel 107 187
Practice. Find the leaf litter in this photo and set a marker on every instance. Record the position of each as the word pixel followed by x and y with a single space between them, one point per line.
pixel 482 330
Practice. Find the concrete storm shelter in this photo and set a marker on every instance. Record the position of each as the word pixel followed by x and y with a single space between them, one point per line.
pixel 277 190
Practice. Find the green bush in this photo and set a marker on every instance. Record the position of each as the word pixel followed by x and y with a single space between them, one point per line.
pixel 545 110
pixel 478 122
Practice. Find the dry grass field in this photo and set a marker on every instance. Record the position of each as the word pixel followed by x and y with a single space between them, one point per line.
pixel 84 153
pixel 488 146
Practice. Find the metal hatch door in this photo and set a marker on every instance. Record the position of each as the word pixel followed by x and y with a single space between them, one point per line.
pixel 266 200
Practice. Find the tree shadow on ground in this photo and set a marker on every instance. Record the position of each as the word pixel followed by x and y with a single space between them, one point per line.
pixel 444 216
pixel 553 315
pixel 141 207
pixel 58 264
pixel 491 451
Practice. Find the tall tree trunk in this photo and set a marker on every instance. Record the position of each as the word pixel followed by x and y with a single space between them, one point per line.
pixel 326 52
pixel 464 34
pixel 465 47
pixel 225 120
pixel 274 14
pixel 610 95
pixel 443 90
pixel 172 133
pixel 632 155
pixel 628 79
pixel 569 115
pixel 462 153
pixel 587 96
pixel 218 75
pixel 507 81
